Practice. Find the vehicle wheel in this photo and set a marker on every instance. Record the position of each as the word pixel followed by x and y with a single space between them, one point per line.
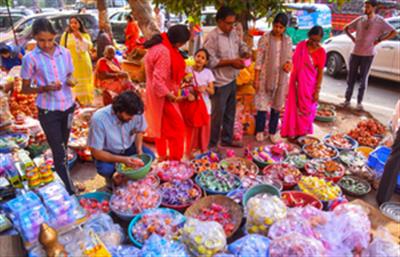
pixel 334 64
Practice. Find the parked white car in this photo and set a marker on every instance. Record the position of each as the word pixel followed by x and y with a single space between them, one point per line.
pixel 386 63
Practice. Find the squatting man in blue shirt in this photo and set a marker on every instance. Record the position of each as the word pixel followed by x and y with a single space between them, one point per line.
pixel 116 133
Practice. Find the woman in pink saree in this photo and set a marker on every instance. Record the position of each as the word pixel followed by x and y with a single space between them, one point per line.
pixel 304 86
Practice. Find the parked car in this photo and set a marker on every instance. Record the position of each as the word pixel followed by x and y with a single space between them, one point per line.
pixel 386 63
pixel 23 28
pixel 5 21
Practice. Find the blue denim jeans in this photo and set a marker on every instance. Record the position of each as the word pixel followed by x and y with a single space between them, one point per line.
pixel 107 169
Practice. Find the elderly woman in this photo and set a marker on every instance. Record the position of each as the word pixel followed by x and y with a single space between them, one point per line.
pixel 110 77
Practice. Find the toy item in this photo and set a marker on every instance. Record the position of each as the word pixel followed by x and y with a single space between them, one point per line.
pixel 324 191
pixel 217 181
pixel 262 211
pixel 320 151
pixel 134 198
pixel 203 238
pixel 179 193
pixel 173 170
pixel 49 239
pixel 295 244
pixel 287 174
pixel 329 169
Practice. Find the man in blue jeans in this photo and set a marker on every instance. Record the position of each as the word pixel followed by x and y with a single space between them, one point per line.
pixel 116 133
pixel 371 29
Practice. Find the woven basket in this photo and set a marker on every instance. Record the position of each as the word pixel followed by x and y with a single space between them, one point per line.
pixel 235 210
pixel 234 160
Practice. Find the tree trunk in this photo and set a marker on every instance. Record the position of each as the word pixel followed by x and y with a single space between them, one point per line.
pixel 103 15
pixel 143 13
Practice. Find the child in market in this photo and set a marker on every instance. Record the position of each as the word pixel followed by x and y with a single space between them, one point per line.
pixel 197 138
pixel 273 65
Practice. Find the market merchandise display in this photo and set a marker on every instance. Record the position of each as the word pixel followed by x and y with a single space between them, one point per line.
pixel 239 166
pixel 262 211
pixel 265 155
pixel 163 222
pixel 340 141
pixel 351 158
pixel 326 113
pixel 130 200
pixel 320 151
pixel 179 193
pixel 307 140
pixel 204 238
pixel 250 245
pixel 368 133
pixel 297 160
pixel 296 245
pixel 323 190
pixel 95 202
pixel 217 182
pixel 329 169
pixel 354 186
pixel 287 174
pixel 208 161
pixel 173 170
pixel 299 199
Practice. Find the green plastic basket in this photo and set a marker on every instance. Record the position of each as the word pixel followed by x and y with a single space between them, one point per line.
pixel 259 189
pixel 138 173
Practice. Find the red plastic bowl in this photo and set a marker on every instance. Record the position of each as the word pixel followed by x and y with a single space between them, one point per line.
pixel 183 207
pixel 300 196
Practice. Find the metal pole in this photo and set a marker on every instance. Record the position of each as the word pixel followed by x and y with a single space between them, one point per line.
pixel 11 22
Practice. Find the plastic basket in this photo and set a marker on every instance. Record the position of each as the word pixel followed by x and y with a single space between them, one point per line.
pixel 139 216
pixel 377 159
pixel 259 189
pixel 212 192
pixel 354 143
pixel 138 173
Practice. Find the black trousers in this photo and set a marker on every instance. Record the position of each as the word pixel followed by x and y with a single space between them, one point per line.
pixel 390 173
pixel 57 126
pixel 223 114
pixel 261 118
pixel 357 64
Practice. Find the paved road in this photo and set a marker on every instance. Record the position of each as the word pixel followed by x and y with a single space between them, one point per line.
pixel 380 99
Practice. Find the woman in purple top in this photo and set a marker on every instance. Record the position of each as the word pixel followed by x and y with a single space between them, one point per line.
pixel 49 66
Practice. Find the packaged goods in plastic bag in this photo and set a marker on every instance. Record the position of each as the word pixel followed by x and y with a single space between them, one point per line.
pixel 124 250
pixel 353 225
pixel 204 238
pixel 291 224
pixel 109 232
pixel 262 211
pixel 157 246
pixel 296 245
pixel 250 246
pixel 383 245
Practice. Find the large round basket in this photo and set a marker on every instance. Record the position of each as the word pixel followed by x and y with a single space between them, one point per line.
pixel 354 143
pixel 138 173
pixel 183 207
pixel 138 217
pixel 225 163
pixel 336 153
pixel 212 192
pixel 260 189
pixel 22 140
pixel 330 118
pixel 346 191
pixel 234 209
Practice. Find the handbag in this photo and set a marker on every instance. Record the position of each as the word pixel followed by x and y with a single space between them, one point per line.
pixel 194 112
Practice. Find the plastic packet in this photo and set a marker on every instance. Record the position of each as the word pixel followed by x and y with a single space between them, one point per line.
pixel 291 224
pixel 157 246
pixel 382 245
pixel 262 211
pixel 203 238
pixel 250 246
pixel 124 250
pixel 296 245
pixel 109 232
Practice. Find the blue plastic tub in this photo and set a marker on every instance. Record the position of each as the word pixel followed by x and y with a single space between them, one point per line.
pixel 377 159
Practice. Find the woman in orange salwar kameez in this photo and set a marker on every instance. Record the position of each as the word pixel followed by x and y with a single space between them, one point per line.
pixel 131 33
pixel 165 69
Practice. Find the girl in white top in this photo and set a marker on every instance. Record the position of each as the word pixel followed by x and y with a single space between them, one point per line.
pixel 205 81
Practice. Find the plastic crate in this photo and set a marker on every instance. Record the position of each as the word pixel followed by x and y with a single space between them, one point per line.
pixel 377 159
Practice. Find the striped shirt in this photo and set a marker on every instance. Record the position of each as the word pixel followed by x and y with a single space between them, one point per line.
pixel 45 69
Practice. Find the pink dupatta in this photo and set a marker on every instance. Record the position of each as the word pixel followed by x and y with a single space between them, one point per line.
pixel 300 108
